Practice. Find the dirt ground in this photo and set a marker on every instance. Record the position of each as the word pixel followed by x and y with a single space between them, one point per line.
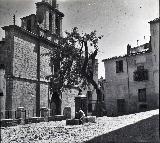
pixel 139 127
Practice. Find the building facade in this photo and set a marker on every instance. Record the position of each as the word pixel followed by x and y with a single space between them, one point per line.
pixel 21 56
pixel 131 81
pixel 154 30
pixel 23 68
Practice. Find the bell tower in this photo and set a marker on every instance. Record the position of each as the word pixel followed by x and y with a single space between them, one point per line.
pixel 49 17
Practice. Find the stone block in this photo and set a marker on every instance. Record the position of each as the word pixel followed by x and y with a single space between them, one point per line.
pixel 92 119
pixel 44 113
pixel 21 115
pixel 20 112
pixel 85 120
pixel 6 122
pixel 16 122
pixel 59 117
pixel 67 112
pixel 35 120
pixel 72 122
pixel 51 118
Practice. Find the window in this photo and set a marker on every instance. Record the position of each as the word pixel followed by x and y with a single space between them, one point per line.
pixel 29 24
pixel 140 74
pixel 119 66
pixel 142 95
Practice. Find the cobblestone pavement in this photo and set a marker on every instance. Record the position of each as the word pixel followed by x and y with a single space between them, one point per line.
pixel 105 128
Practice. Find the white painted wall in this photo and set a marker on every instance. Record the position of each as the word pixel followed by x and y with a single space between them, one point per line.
pixel 116 86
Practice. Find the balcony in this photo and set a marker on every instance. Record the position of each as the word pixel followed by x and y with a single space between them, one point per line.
pixel 140 75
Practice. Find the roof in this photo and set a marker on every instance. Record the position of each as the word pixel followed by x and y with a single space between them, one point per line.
pixel 131 54
pixel 33 35
pixel 28 16
pixel 155 20
pixel 113 58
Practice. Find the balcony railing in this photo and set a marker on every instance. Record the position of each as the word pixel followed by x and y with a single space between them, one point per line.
pixel 140 75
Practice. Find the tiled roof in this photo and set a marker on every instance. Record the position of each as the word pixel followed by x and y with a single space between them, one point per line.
pixel 131 54
pixel 155 20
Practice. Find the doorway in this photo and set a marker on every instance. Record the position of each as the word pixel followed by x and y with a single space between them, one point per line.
pixel 121 106
pixel 55 104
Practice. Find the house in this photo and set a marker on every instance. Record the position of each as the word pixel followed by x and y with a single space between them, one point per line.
pixel 131 81
pixel 154 30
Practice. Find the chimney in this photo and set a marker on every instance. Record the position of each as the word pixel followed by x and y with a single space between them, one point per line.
pixel 137 42
pixel 128 49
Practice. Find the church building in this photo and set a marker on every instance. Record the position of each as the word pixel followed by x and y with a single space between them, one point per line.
pixel 22 67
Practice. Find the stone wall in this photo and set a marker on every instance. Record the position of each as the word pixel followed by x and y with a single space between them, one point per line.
pixel 25 73
pixel 45 68
pixel 25 59
pixel 24 95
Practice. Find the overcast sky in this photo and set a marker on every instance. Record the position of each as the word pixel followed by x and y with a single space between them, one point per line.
pixel 121 22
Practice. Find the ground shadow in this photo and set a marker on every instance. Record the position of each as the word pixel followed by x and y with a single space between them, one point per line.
pixel 143 131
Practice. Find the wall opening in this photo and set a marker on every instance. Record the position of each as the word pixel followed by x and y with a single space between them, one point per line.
pixel 121 106
pixel 29 24
pixel 119 66
pixel 142 95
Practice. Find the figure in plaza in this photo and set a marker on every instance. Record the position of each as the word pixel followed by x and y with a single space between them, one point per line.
pixel 80 115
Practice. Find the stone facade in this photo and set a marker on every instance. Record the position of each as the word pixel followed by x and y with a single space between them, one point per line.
pixel 22 56
pixel 122 90
pixel 25 59
pixel 22 76
pixel 26 67
pixel 23 95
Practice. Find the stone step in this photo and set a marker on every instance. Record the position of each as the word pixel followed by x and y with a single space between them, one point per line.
pixel 58 117
pixel 91 119
pixel 72 122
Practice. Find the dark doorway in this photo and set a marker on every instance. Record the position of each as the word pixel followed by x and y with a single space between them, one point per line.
pixel 89 98
pixel 142 107
pixel 121 106
pixel 56 104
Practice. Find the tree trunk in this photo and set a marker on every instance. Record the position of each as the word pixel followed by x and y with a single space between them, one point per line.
pixel 99 107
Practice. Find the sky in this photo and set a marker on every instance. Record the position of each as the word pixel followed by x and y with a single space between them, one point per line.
pixel 121 22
